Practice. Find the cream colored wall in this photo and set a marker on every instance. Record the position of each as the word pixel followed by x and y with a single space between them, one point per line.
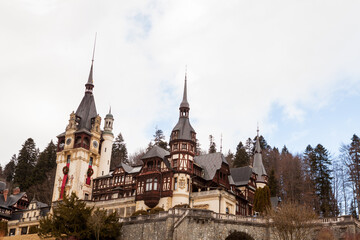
pixel 165 203
pixel 116 205
pixel 210 200
pixel 104 165
pixel 181 194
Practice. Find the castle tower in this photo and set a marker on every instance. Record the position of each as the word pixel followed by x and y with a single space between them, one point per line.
pixel 106 146
pixel 78 155
pixel 258 167
pixel 182 153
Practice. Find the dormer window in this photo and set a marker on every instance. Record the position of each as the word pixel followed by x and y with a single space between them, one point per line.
pixel 175 146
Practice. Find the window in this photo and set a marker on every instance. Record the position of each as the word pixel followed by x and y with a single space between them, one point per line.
pixel 175 146
pixel 86 196
pixel 155 184
pixel 12 232
pixel 150 164
pixel 105 150
pixel 102 173
pixel 34 214
pixel 175 163
pixel 24 230
pixel 175 183
pixel 149 184
pixel 188 184
pixel 68 158
pixel 184 146
pixel 27 215
pixel 227 210
pixel 91 161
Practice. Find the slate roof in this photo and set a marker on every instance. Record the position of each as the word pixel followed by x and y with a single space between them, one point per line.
pixel 184 127
pixel 258 166
pixel 210 163
pixel 241 175
pixel 11 199
pixel 86 111
pixel 157 151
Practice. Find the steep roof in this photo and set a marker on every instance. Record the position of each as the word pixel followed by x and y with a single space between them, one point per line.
pixel 184 102
pixel 210 163
pixel 156 151
pixel 241 176
pixel 185 129
pixel 159 152
pixel 258 166
pixel 86 111
pixel 11 199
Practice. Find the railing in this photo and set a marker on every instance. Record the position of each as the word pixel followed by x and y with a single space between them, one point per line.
pixel 82 145
pixel 207 214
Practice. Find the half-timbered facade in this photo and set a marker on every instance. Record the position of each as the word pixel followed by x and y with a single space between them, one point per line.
pixel 178 176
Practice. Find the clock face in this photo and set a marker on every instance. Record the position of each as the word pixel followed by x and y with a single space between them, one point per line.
pixel 68 141
pixel 95 144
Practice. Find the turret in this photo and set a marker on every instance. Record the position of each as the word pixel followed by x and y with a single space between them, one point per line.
pixel 182 152
pixel 258 166
pixel 106 146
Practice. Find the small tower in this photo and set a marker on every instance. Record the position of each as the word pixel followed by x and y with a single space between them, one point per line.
pixel 258 167
pixel 182 152
pixel 106 146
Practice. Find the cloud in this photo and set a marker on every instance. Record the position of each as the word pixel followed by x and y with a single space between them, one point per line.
pixel 242 56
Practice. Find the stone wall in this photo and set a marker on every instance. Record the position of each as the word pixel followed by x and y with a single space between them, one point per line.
pixel 189 224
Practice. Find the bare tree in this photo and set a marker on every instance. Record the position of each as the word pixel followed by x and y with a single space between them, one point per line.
pixel 291 221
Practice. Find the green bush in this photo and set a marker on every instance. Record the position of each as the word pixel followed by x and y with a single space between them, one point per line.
pixel 239 236
pixel 140 212
pixel 182 206
pixel 156 210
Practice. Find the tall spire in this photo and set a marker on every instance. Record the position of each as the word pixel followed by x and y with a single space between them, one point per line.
pixel 90 83
pixel 184 103
pixel 258 166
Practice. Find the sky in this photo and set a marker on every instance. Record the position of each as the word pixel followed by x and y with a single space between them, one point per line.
pixel 292 67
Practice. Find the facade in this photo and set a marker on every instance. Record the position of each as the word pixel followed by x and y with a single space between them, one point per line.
pixel 166 179
pixel 11 203
pixel 22 222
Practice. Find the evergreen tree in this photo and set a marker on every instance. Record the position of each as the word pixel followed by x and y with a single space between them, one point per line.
pixel 159 139
pixel 230 158
pixel 354 166
pixel 69 219
pixel 320 175
pixel 212 147
pixel 241 159
pixel 249 146
pixel 45 163
pixel 9 170
pixel 26 162
pixel 119 152
pixel 72 219
pixel 273 185
pixel 262 199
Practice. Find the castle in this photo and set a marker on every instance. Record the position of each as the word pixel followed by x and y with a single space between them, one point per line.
pixel 178 177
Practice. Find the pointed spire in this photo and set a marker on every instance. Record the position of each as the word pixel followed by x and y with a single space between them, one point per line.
pixel 90 83
pixel 257 145
pixel 184 103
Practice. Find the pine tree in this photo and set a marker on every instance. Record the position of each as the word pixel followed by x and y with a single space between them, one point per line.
pixel 241 159
pixel 26 162
pixel 354 166
pixel 249 146
pixel 159 139
pixel 320 175
pixel 119 152
pixel 262 199
pixel 212 147
pixel 230 158
pixel 273 185
pixel 9 170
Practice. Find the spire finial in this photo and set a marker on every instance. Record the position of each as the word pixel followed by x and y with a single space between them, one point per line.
pixel 257 129
pixel 110 109
pixel 184 103
pixel 221 143
pixel 90 83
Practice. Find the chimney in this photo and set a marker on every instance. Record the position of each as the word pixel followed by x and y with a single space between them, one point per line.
pixel 6 191
pixel 16 190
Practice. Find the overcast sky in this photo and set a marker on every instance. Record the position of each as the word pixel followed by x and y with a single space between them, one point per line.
pixel 292 66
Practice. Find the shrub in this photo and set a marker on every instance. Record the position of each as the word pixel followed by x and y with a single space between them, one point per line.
pixel 239 236
pixel 156 210
pixel 182 206
pixel 140 212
